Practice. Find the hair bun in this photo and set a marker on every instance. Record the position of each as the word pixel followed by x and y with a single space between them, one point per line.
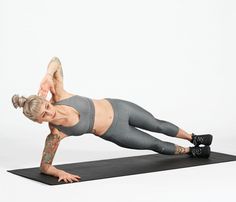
pixel 18 101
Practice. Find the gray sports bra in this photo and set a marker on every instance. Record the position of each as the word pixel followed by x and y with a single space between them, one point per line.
pixel 86 109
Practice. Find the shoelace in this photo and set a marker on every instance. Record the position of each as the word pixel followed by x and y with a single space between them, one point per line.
pixel 200 139
pixel 197 139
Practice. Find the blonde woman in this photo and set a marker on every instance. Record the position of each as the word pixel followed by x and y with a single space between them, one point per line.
pixel 111 119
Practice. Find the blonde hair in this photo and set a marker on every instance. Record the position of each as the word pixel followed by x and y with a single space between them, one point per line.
pixel 31 105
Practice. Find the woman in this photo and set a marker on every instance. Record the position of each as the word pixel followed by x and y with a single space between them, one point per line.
pixel 114 120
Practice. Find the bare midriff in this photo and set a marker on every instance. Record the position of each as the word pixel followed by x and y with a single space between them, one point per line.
pixel 104 115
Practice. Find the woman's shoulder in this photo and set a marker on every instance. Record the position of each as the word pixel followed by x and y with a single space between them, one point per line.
pixel 55 131
pixel 57 98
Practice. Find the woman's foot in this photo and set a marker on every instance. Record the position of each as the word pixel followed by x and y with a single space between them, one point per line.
pixel 205 139
pixel 200 152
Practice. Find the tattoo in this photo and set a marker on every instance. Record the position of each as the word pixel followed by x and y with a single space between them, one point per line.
pixel 56 59
pixel 51 145
pixel 180 150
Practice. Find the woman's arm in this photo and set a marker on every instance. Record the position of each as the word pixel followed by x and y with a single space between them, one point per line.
pixel 53 81
pixel 51 144
pixel 46 167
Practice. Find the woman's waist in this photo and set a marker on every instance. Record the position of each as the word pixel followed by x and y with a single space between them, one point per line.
pixel 104 115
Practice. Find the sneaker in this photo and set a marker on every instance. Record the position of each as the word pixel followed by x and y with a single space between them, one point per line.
pixel 205 139
pixel 200 152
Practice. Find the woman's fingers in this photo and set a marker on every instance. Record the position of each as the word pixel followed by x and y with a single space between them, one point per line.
pixel 42 93
pixel 75 179
pixel 69 178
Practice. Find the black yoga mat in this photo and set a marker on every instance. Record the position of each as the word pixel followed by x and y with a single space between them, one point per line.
pixel 100 169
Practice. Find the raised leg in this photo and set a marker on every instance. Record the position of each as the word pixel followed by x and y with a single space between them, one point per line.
pixel 184 135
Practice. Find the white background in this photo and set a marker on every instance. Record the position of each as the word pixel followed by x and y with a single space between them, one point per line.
pixel 174 58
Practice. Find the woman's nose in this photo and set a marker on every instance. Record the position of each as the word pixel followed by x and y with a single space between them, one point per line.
pixel 49 113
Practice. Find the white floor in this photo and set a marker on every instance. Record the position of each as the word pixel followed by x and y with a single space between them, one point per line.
pixel 211 182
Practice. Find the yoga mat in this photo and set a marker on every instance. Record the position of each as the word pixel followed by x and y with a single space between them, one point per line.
pixel 100 169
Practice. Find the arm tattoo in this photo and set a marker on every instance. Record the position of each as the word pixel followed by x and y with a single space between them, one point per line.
pixel 51 145
pixel 56 59
pixel 180 150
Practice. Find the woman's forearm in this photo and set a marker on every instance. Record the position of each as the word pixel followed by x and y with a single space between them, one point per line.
pixel 51 144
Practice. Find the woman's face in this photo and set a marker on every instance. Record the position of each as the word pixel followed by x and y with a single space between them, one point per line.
pixel 47 112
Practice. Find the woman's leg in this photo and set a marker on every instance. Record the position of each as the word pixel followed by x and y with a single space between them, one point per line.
pixel 141 118
pixel 133 138
pixel 184 135
pixel 124 133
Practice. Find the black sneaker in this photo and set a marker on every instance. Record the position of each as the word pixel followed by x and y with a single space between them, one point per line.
pixel 200 152
pixel 205 139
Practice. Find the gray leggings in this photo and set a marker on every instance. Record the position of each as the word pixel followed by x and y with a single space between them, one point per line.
pixel 127 118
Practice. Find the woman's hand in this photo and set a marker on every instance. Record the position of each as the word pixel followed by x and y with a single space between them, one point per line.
pixel 46 85
pixel 67 177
